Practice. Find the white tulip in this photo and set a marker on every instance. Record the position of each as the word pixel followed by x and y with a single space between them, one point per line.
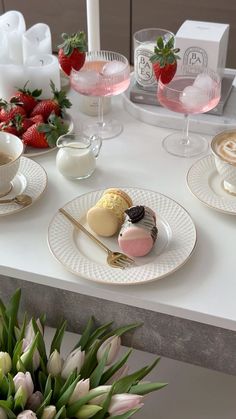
pixel 73 362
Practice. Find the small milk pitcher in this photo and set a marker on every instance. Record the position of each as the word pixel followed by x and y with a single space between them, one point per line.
pixel 76 157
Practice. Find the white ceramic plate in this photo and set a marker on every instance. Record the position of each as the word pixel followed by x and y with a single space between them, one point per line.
pixel 81 256
pixel 204 182
pixel 34 152
pixel 31 179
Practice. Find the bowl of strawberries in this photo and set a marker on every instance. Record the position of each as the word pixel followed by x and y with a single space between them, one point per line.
pixel 37 122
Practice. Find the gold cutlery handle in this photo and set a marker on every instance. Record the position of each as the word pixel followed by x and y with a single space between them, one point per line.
pixel 82 228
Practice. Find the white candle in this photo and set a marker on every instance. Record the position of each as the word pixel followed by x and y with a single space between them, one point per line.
pixel 13 24
pixel 4 48
pixel 93 25
pixel 41 69
pixel 37 40
pixel 12 77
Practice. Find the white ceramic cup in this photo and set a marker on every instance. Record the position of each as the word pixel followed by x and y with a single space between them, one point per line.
pixel 12 146
pixel 223 147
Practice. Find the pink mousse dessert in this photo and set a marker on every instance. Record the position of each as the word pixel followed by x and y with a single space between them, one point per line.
pixel 139 232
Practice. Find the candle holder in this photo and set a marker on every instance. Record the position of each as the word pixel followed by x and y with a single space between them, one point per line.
pixel 144 42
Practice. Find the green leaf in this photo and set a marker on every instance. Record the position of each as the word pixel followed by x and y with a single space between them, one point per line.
pixel 115 367
pixel 41 344
pixel 61 413
pixel 68 382
pixel 11 386
pixel 42 379
pixel 90 360
pixel 4 386
pixel 48 386
pixel 67 394
pixel 57 339
pixel 96 375
pixel 160 42
pixel 145 388
pixel 58 383
pixel 148 369
pixel 16 354
pixel 22 329
pixel 86 334
pixel 121 330
pixel 98 333
pixel 11 313
pixel 9 412
pixel 124 384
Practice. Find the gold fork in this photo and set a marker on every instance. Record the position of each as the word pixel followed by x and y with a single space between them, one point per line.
pixel 114 259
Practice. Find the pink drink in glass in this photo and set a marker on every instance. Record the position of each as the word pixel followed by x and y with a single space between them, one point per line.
pixel 98 78
pixel 171 96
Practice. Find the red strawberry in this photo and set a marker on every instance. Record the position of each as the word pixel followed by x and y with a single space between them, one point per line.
pixel 26 98
pixel 8 127
pixel 37 118
pixel 56 104
pixel 9 110
pixel 164 60
pixel 42 135
pixel 22 124
pixel 71 52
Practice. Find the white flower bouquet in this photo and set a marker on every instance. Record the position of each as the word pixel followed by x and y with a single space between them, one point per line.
pixel 89 383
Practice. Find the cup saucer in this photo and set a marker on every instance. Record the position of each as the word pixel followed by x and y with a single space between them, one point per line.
pixel 205 184
pixel 31 179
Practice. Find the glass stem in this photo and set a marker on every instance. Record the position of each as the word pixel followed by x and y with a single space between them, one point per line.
pixel 185 137
pixel 100 111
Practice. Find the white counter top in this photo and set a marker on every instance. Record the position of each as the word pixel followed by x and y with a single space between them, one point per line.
pixel 203 289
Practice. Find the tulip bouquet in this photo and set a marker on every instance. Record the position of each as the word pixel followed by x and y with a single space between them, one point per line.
pixel 35 382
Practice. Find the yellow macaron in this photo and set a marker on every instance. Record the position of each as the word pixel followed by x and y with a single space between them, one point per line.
pixel 107 215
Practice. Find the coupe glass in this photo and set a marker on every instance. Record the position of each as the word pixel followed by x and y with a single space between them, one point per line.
pixel 104 73
pixel 189 93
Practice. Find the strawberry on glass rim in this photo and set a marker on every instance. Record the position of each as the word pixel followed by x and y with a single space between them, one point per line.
pixel 164 60
pixel 71 52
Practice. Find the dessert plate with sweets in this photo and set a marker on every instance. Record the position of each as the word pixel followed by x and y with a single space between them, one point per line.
pixel 38 122
pixel 154 230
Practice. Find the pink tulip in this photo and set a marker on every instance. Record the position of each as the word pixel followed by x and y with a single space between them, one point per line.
pixel 34 401
pixel 81 390
pixel 27 414
pixel 25 381
pixel 113 343
pixel 121 403
pixel 73 362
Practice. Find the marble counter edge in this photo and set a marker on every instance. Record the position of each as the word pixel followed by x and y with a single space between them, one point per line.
pixel 87 289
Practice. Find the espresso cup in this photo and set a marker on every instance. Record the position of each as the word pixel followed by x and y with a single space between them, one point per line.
pixel 11 149
pixel 223 147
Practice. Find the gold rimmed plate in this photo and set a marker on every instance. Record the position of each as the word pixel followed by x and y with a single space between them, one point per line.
pixel 206 185
pixel 31 180
pixel 78 254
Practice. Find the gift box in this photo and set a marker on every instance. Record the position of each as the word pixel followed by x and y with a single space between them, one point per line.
pixel 202 44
